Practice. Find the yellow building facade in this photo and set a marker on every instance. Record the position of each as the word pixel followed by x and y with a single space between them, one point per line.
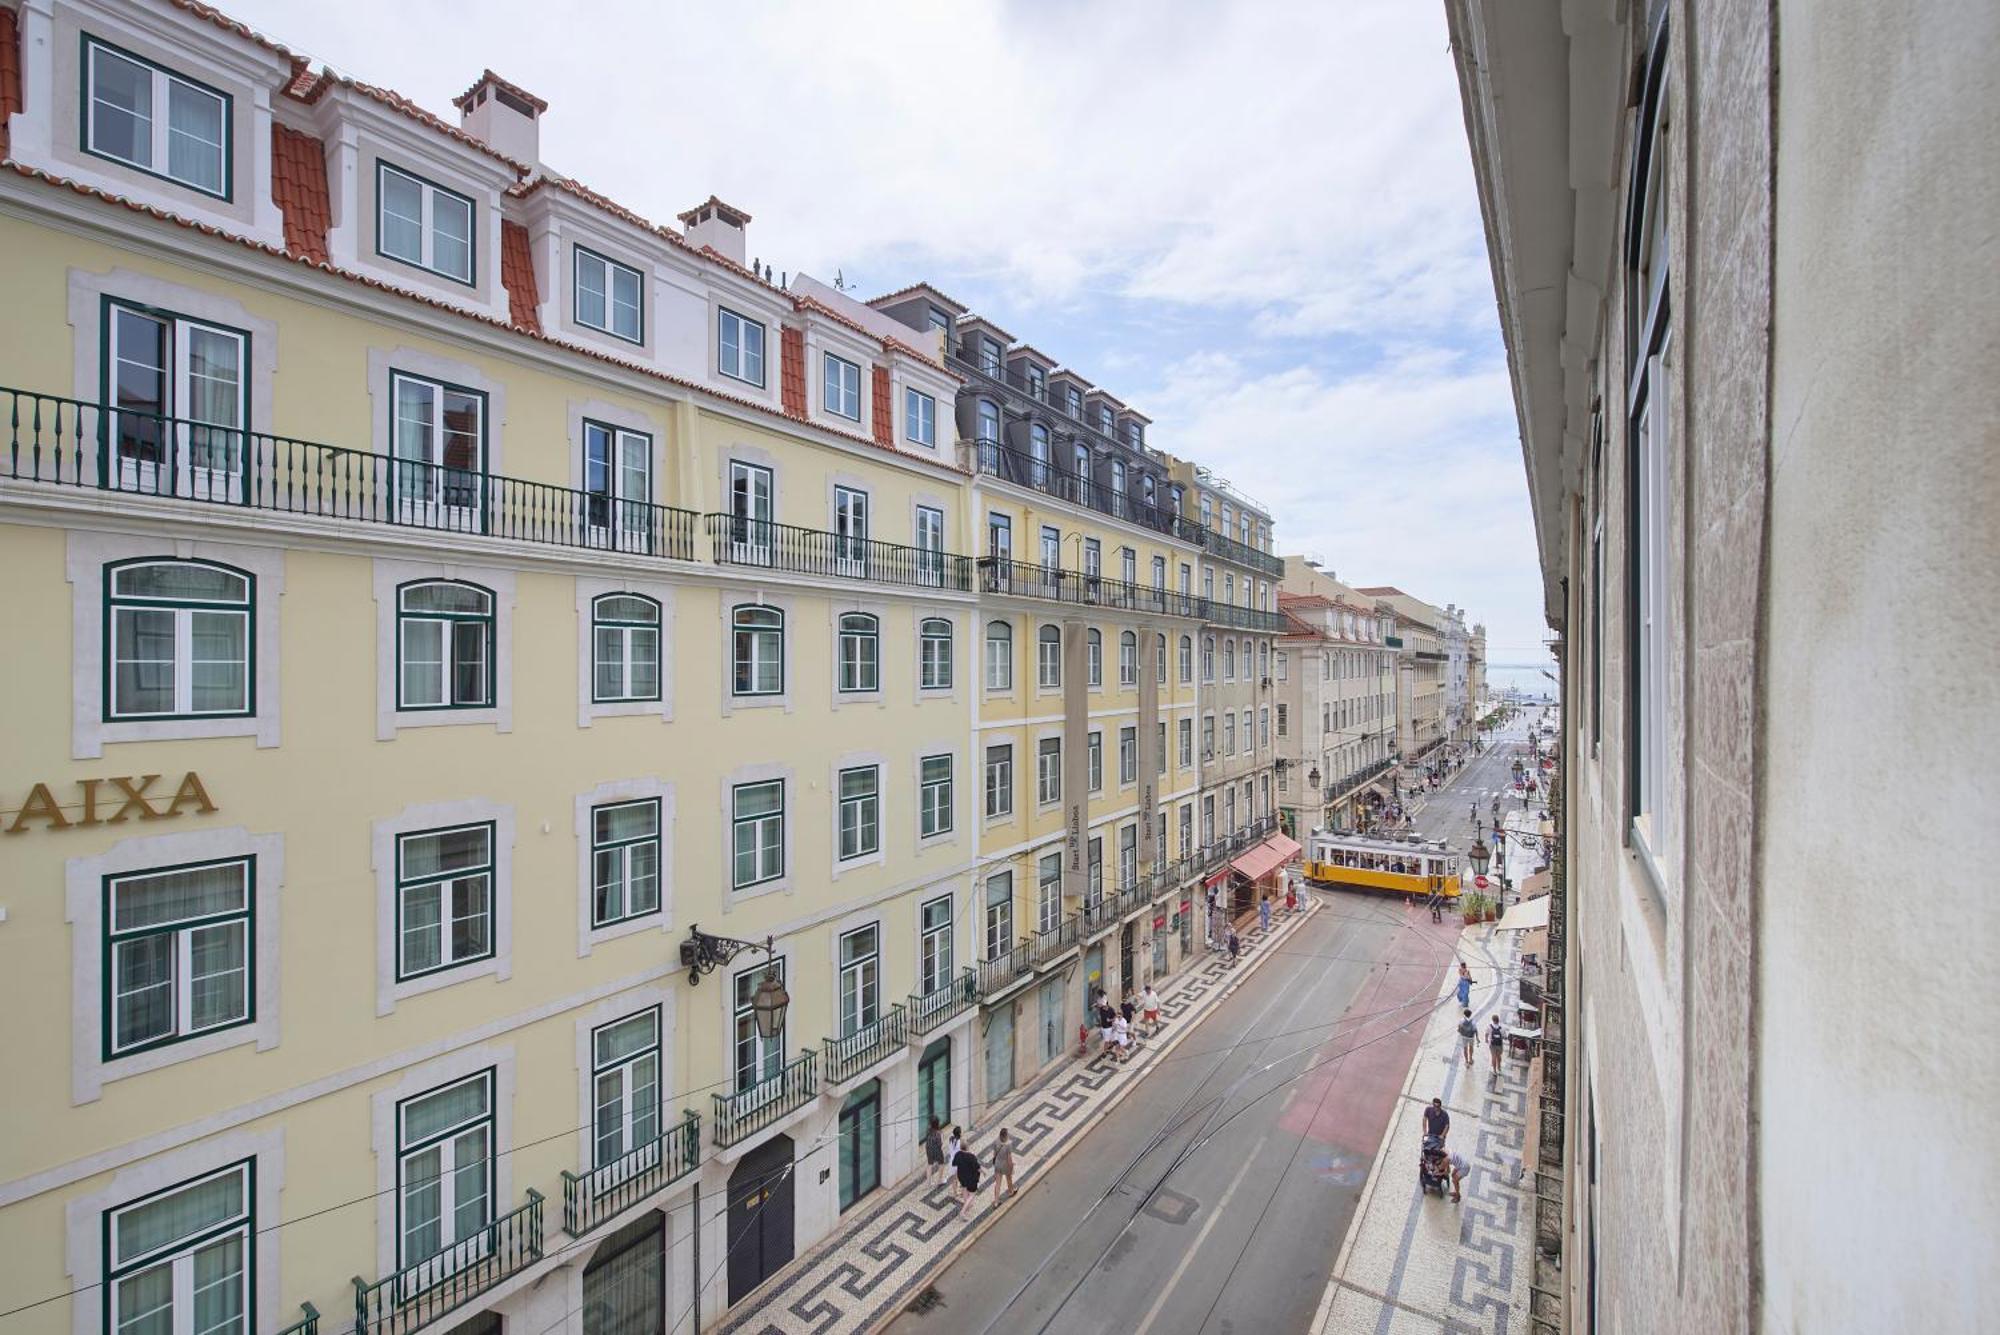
pixel 503 763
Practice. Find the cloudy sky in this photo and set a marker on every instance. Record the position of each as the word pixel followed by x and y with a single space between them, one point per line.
pixel 1253 221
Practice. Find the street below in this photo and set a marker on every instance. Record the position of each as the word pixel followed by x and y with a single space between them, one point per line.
pixel 1215 1196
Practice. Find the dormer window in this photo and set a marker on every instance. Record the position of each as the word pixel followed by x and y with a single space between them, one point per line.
pixel 989 356
pixel 1134 436
pixel 423 224
pixel 151 118
pixel 610 296
pixel 1075 400
pixel 1038 382
pixel 939 320
pixel 843 388
pixel 740 347
pixel 1104 419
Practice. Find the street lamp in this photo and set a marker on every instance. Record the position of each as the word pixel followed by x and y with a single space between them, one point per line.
pixel 1481 855
pixel 702 953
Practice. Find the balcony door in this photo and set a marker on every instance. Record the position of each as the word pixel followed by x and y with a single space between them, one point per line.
pixel 850 530
pixel 439 447
pixel 750 531
pixel 178 403
pixel 444 1181
pixel 618 487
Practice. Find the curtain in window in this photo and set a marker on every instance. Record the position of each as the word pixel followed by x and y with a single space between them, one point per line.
pixel 623 1284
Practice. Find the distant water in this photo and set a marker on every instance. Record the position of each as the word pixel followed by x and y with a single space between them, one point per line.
pixel 1526 677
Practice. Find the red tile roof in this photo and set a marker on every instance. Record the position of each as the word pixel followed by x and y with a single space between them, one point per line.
pixel 488 76
pixel 227 24
pixel 298 188
pixel 792 370
pixel 517 275
pixel 10 72
pixel 885 429
pixel 395 101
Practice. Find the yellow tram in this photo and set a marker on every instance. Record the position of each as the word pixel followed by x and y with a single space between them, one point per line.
pixel 1411 865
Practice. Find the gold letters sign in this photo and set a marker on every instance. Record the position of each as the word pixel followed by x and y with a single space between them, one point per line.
pixel 110 801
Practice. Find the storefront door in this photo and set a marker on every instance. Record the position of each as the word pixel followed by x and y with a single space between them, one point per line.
pixel 1128 982
pixel 934 1085
pixel 999 1052
pixel 861 1143
pixel 1052 1020
pixel 760 1216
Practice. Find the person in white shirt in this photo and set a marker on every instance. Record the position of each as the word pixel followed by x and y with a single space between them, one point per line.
pixel 1149 1009
pixel 1121 1038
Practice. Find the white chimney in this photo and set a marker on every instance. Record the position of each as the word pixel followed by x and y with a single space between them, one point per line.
pixel 714 223
pixel 503 116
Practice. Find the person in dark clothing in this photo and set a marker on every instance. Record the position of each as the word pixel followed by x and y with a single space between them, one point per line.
pixel 1437 1122
pixel 1127 1009
pixel 1235 947
pixel 934 1152
pixel 966 1164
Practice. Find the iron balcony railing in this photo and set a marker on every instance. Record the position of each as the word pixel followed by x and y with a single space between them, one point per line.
pixel 593 1197
pixel 951 998
pixel 993 459
pixel 1097 916
pixel 1024 579
pixel 419 1294
pixel 305 1325
pixel 1003 971
pixel 1242 553
pixel 767 545
pixel 67 442
pixel 749 1111
pixel 1245 618
pixel 847 1057
pixel 1050 945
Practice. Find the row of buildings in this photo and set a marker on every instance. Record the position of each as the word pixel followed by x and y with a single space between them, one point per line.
pixel 1751 344
pixel 536 755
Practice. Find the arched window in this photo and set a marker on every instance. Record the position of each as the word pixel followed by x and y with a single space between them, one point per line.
pixel 934 654
pixel 1048 658
pixel 759 650
pixel 1208 658
pixel 180 640
pixel 1094 657
pixel 1160 661
pixel 625 648
pixel 1187 660
pixel 1128 659
pixel 860 657
pixel 444 646
pixel 1229 660
pixel 999 656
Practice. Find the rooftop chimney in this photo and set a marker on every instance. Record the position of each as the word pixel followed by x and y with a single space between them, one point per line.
pixel 714 223
pixel 503 116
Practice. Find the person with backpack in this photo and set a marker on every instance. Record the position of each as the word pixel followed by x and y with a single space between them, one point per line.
pixel 966 1164
pixel 1496 1041
pixel 1468 1033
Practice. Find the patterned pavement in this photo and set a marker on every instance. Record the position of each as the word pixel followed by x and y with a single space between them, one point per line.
pixel 870 1268
pixel 1414 1263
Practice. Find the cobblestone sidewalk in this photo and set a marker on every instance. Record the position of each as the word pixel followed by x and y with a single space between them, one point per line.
pixel 866 1272
pixel 1414 1263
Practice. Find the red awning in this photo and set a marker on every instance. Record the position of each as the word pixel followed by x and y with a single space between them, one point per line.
pixel 1265 858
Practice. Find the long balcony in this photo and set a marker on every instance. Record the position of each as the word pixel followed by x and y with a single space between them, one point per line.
pixel 1004 972
pixel 743 1114
pixel 765 545
pixel 1229 549
pixel 593 1197
pixel 86 447
pixel 419 1294
pixel 1024 579
pixel 849 1056
pixel 69 443
pixel 1245 618
pixel 952 998
pixel 992 459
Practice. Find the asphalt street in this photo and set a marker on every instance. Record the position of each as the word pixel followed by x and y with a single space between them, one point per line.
pixel 1214 1198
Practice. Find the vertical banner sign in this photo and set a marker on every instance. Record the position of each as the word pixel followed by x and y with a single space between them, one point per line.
pixel 1149 746
pixel 1075 757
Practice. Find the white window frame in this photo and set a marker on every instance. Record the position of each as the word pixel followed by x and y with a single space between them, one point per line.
pixel 447 887
pixel 624 633
pixel 999 781
pixel 840 387
pixel 760 655
pixel 935 946
pixel 618 855
pixel 182 932
pixel 919 417
pixel 609 272
pixel 859 818
pixel 860 997
pixel 858 658
pixel 999 656
pixel 178 1255
pixel 183 611
pixel 742 362
pixel 758 823
pixel 934 796
pixel 433 195
pixel 1048 658
pixel 457 1251
pixel 1048 770
pixel 638 1117
pixel 162 84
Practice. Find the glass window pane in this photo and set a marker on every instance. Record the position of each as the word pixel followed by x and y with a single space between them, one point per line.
pixel 469 682
pixel 451 236
pixel 590 291
pixel 219 974
pixel 458 599
pixel 627 1038
pixel 422 942
pixel 180 580
pixel 218 661
pixel 401 233
pixel 218 1287
pixel 173 896
pixel 423 662
pixel 195 136
pixel 186 1213
pixel 441 1109
pixel 436 852
pixel 146 1302
pixel 142 990
pixel 630 820
pixel 759 799
pixel 121 107
pixel 471 918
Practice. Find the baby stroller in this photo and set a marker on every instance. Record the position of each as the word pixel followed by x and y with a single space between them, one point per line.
pixel 1433 1168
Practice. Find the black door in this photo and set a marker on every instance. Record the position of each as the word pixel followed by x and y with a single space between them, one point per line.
pixel 1126 940
pixel 760 1216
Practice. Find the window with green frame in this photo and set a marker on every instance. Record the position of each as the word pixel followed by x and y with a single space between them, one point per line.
pixel 625 1090
pixel 181 1259
pixel 934 795
pixel 444 899
pixel 934 654
pixel 423 224
pixel 444 646
pixel 625 648
pixel 178 953
pixel 156 120
pixel 178 640
pixel 625 861
pixel 860 812
pixel 610 296
pixel 757 833
pixel 758 650
pixel 444 1176
pixel 860 652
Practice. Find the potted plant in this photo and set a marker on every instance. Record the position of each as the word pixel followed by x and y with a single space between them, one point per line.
pixel 1471 906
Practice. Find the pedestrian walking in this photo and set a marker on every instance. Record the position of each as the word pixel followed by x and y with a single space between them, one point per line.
pixel 966 1164
pixel 1437 1122
pixel 1128 1010
pixel 1235 947
pixel 1149 1006
pixel 951 1144
pixel 1464 984
pixel 1468 1034
pixel 934 1153
pixel 1496 1040
pixel 1003 1167
pixel 1264 914
pixel 1121 1039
